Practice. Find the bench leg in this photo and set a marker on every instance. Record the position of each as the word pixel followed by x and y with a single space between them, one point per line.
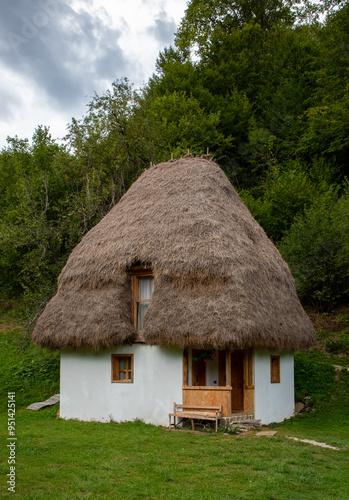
pixel 192 424
pixel 216 424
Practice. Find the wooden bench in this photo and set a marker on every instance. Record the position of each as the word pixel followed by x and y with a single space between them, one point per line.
pixel 195 413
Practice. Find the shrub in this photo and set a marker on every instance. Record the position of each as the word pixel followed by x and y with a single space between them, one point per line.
pixel 314 248
pixel 313 379
pixel 339 345
pixel 30 372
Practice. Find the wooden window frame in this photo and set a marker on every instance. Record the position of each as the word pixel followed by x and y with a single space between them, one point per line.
pixel 136 273
pixel 275 369
pixel 115 369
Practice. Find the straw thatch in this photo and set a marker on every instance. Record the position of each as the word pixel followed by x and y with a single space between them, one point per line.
pixel 219 280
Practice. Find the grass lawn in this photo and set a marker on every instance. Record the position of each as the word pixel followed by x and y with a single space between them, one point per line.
pixel 66 459
pixel 69 459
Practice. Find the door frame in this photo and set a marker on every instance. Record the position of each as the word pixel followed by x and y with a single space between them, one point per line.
pixel 237 380
pixel 191 394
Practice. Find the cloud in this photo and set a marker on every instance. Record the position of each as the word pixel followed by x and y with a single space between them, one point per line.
pixel 55 53
pixel 9 100
pixel 163 28
pixel 66 52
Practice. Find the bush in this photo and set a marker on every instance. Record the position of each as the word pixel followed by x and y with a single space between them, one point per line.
pixel 313 379
pixel 30 372
pixel 314 248
pixel 339 345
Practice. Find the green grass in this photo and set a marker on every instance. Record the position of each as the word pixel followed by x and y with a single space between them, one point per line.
pixel 31 372
pixel 61 459
pixel 67 459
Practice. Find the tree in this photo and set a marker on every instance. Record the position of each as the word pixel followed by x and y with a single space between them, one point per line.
pixel 204 19
pixel 108 152
pixel 325 130
pixel 181 124
pixel 258 78
pixel 315 249
pixel 283 196
pixel 31 243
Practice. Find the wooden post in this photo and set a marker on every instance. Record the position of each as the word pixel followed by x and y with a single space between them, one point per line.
pixel 245 369
pixel 228 367
pixel 185 368
pixel 228 376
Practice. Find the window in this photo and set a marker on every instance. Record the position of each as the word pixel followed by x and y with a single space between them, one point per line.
pixel 122 368
pixel 143 288
pixel 145 292
pixel 275 369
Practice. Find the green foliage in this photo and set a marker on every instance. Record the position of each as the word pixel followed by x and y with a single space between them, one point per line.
pixel 204 355
pixel 267 95
pixel 181 125
pixel 30 372
pixel 313 379
pixel 314 249
pixel 31 242
pixel 51 195
pixel 203 20
pixel 326 133
pixel 284 195
pixel 108 153
pixel 342 319
pixel 339 345
pixel 40 368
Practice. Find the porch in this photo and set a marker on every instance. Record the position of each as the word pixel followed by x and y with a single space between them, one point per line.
pixel 220 377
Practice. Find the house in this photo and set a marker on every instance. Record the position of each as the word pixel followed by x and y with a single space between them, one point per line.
pixel 177 295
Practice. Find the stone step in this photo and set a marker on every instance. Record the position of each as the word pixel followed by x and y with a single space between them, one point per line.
pixel 238 417
pixel 242 422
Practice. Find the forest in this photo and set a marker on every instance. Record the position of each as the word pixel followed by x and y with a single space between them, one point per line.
pixel 263 85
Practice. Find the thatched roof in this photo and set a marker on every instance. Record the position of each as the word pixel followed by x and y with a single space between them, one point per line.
pixel 219 280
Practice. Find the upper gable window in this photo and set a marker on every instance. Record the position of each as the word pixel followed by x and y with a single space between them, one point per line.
pixel 143 288
pixel 145 292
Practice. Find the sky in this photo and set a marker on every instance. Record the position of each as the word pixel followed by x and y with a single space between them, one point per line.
pixel 54 54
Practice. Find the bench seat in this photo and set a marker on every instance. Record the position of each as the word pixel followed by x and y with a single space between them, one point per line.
pixel 195 413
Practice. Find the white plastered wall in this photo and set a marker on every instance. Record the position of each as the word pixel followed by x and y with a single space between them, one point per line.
pixel 273 401
pixel 87 392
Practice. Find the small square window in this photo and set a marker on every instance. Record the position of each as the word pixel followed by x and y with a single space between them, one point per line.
pixel 122 368
pixel 275 369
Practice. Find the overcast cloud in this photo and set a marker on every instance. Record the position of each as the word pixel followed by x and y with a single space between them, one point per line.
pixel 55 53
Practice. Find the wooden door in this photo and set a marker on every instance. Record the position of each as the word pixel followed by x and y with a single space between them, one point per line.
pixel 237 380
pixel 198 370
